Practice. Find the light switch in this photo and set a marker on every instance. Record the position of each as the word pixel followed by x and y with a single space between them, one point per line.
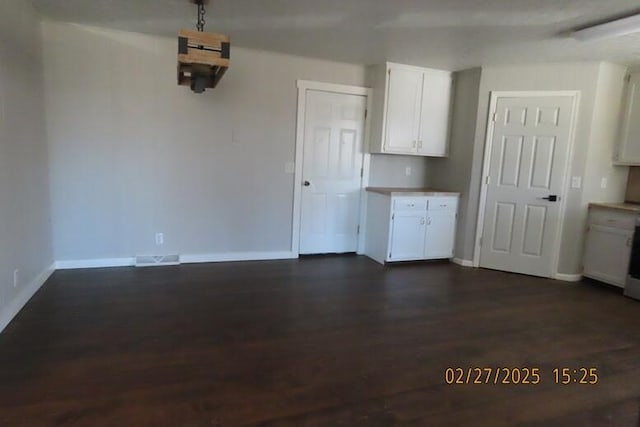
pixel 603 182
pixel 290 168
pixel 407 171
pixel 576 182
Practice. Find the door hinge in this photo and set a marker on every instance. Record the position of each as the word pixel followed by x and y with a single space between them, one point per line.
pixel 494 118
pixel 358 230
pixel 366 113
pixel 480 242
pixel 487 180
pixel 361 172
pixel 393 216
pixel 627 78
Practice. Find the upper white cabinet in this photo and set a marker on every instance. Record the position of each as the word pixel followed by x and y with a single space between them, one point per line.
pixel 411 110
pixel 628 151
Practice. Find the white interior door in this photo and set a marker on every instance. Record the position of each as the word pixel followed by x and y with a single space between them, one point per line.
pixel 529 149
pixel 332 164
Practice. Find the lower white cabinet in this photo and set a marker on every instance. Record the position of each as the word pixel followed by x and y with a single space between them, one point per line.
pixel 408 236
pixel 410 228
pixel 608 245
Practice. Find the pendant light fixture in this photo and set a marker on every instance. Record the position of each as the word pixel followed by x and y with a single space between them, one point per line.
pixel 203 58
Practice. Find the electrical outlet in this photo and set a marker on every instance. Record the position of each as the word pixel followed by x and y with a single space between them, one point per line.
pixel 407 171
pixel 603 183
pixel 16 277
pixel 159 239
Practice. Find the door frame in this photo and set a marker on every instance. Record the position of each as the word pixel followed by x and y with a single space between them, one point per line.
pixel 494 97
pixel 303 86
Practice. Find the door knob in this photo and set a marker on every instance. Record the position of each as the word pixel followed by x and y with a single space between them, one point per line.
pixel 306 183
pixel 551 198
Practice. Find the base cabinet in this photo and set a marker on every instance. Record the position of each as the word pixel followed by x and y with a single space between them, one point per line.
pixel 608 246
pixel 441 229
pixel 407 236
pixel 410 228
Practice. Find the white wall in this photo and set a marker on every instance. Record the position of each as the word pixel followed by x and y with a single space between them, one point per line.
pixel 25 233
pixel 454 172
pixel 595 133
pixel 133 154
pixel 389 170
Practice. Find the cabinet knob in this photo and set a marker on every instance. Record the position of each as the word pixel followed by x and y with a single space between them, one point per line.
pixel 306 183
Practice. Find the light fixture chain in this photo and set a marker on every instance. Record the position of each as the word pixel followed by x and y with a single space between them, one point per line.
pixel 201 13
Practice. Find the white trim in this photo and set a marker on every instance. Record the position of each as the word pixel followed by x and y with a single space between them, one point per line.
pixel 236 256
pixel 184 259
pixel 462 262
pixel 495 95
pixel 417 68
pixel 303 86
pixel 95 263
pixel 568 277
pixel 14 307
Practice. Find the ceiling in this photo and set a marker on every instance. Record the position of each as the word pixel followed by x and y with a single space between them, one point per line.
pixel 447 34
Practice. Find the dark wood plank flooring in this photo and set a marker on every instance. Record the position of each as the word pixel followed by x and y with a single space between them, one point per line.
pixel 314 342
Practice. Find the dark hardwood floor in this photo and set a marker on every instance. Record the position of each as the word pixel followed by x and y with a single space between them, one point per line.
pixel 316 342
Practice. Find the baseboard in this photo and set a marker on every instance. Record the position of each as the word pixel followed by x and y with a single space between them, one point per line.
pixel 184 259
pixel 95 263
pixel 24 296
pixel 462 262
pixel 236 256
pixel 568 277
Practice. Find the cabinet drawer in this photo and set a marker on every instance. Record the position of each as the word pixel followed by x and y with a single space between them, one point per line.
pixel 611 218
pixel 443 203
pixel 409 204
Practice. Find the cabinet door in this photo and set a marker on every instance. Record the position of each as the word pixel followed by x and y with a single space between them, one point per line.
pixel 606 254
pixel 435 112
pixel 403 110
pixel 407 236
pixel 629 137
pixel 440 234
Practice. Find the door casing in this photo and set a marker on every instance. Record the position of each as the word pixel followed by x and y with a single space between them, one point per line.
pixel 303 87
pixel 495 96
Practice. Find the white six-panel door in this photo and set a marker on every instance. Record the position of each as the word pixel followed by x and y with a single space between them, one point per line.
pixel 332 164
pixel 529 148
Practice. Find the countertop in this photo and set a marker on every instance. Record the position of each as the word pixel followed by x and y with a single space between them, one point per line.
pixel 626 207
pixel 404 191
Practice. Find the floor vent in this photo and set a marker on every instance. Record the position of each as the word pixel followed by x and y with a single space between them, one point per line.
pixel 157 260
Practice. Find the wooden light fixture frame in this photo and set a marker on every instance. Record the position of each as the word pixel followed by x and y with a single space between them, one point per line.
pixel 202 55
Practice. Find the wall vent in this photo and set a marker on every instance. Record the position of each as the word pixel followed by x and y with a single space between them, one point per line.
pixel 157 260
